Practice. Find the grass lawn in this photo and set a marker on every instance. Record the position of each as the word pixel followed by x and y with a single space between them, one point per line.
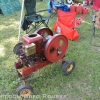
pixel 82 84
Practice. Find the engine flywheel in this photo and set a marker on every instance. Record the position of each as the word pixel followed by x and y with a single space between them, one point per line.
pixel 56 47
pixel 17 48
pixel 44 31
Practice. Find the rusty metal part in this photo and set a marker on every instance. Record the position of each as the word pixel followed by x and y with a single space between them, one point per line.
pixel 17 48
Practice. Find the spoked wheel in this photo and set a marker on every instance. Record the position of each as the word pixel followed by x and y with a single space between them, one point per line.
pixel 69 1
pixel 56 47
pixel 44 31
pixel 17 48
pixel 25 91
pixel 68 67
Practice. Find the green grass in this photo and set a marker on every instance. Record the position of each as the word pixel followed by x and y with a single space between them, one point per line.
pixel 81 84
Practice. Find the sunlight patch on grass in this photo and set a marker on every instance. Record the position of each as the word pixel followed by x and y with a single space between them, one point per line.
pixel 2 51
pixel 14 25
pixel 12 40
pixel 10 25
pixel 17 22
pixel 2 27
pixel 87 22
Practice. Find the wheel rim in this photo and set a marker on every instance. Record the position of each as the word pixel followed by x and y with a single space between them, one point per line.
pixel 25 92
pixel 56 47
pixel 70 68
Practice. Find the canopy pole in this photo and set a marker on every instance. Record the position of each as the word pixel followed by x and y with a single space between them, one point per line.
pixel 21 19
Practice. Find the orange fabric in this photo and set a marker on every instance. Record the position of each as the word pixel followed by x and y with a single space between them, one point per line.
pixel 66 31
pixel 66 18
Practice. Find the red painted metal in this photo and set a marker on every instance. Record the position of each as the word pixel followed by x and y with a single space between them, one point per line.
pixel 28 70
pixel 73 7
pixel 28 39
pixel 43 30
pixel 56 47
pixel 79 9
pixel 49 48
pixel 18 64
pixel 85 10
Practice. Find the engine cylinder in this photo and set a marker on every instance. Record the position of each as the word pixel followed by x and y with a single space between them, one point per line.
pixel 28 39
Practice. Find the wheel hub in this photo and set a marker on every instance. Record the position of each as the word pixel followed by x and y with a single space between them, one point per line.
pixel 70 68
pixel 25 92
pixel 56 47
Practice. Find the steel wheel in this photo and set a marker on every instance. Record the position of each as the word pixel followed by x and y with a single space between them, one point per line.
pixel 56 47
pixel 25 91
pixel 68 67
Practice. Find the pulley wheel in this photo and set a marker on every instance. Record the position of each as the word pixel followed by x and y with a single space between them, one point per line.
pixel 56 47
pixel 44 31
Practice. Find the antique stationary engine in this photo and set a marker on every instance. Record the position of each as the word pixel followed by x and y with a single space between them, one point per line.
pixel 38 50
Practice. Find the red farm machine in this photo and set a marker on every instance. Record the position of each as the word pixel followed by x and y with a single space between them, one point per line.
pixel 37 50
